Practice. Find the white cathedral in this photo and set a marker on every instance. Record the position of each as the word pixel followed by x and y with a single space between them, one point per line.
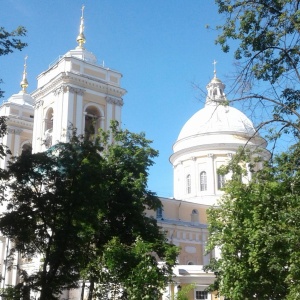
pixel 76 90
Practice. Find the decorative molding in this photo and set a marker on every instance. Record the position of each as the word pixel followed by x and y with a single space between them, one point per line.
pixel 211 155
pixel 46 89
pixel 68 88
pixel 115 101
pixel 15 131
pixel 76 78
pixel 229 155
pixel 61 89
pixel 74 90
pixel 21 123
pixel 38 103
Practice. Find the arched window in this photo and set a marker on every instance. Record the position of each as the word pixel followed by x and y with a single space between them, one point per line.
pixel 48 128
pixel 27 147
pixel 188 184
pixel 221 181
pixel 159 213
pixel 91 122
pixel 194 216
pixel 203 181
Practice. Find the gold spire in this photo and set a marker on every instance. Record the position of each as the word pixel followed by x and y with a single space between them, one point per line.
pixel 215 69
pixel 81 38
pixel 24 82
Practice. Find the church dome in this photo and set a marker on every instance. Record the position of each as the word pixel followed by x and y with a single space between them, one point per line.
pixel 206 142
pixel 217 119
pixel 22 99
pixel 217 116
pixel 216 126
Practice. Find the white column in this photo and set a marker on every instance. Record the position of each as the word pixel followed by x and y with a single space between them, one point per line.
pixel 14 275
pixel 206 257
pixel 79 114
pixel 4 159
pixel 4 266
pixel 58 112
pixel 109 112
pixel 17 142
pixel 177 288
pixel 167 293
pixel 7 141
pixel 2 254
pixel 67 113
pixel 118 113
pixel 210 174
pixel 179 181
pixel 38 127
pixel 194 176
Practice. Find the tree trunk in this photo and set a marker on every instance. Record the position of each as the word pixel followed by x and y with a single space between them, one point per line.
pixel 91 290
pixel 82 290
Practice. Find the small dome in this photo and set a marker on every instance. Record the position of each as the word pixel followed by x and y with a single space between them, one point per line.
pixel 22 99
pixel 217 119
pixel 82 54
pixel 215 80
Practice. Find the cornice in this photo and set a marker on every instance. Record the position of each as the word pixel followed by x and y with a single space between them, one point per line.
pixel 218 148
pixel 114 100
pixel 38 103
pixel 80 80
pixel 48 88
pixel 68 88
pixel 20 123
pixel 111 87
pixel 14 130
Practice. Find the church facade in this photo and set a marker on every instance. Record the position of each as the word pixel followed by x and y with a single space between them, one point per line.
pixel 76 90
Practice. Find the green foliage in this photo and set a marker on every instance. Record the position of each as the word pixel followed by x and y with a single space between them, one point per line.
pixel 69 204
pixel 10 293
pixel 9 42
pixel 268 32
pixel 184 292
pixel 141 278
pixel 256 226
pixel 265 36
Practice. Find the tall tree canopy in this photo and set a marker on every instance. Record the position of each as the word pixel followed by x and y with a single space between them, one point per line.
pixel 266 38
pixel 256 225
pixel 10 41
pixel 69 205
pixel 257 228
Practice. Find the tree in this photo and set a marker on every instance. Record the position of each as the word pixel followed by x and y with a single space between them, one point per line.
pixel 256 225
pixel 67 205
pixel 9 42
pixel 144 280
pixel 266 35
pixel 182 294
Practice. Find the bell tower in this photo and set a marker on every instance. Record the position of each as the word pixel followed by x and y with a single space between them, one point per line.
pixel 19 111
pixel 75 91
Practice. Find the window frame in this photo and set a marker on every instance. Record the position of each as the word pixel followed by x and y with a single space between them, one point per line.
pixel 159 213
pixel 221 181
pixel 203 181
pixel 201 295
pixel 188 187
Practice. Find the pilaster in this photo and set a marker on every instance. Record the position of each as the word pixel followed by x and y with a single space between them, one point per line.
pixel 210 174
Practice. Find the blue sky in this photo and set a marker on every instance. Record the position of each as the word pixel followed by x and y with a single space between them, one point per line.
pixel 162 48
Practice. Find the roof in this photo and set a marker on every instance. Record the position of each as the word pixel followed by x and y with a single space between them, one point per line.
pixel 217 119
